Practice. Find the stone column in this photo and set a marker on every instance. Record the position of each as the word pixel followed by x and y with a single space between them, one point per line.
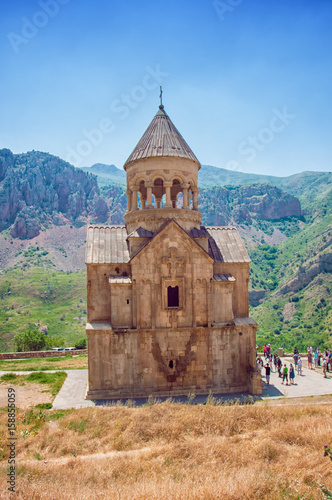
pixel 134 190
pixel 158 202
pixel 167 186
pixel 149 186
pixel 185 186
pixel 195 198
pixel 128 193
pixel 134 304
pixel 153 305
pixel 174 203
pixel 208 302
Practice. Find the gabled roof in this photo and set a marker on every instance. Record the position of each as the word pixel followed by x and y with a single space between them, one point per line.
pixel 106 244
pixel 140 232
pixel 115 280
pixel 223 278
pixel 226 245
pixel 199 233
pixel 109 244
pixel 161 138
pixel 185 235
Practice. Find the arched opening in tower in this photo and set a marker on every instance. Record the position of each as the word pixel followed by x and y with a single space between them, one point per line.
pixel 158 191
pixel 175 190
pixel 142 195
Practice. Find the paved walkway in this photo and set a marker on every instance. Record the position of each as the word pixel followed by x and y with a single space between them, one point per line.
pixel 73 391
pixel 311 383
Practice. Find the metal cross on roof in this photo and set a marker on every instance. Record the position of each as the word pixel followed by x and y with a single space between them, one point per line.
pixel 161 95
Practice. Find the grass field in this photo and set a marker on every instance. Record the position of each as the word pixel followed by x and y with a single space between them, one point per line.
pixel 44 297
pixel 35 364
pixel 52 381
pixel 173 451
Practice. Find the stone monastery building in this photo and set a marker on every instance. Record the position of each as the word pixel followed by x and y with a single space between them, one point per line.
pixel 167 297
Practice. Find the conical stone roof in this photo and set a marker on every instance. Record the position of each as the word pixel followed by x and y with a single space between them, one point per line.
pixel 161 138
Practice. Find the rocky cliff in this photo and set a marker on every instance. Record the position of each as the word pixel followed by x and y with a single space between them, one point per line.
pixel 227 205
pixel 306 274
pixel 38 189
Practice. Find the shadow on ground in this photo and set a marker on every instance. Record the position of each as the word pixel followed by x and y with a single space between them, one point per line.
pixel 227 399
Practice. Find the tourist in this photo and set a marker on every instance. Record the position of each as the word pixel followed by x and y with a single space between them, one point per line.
pixel 291 374
pixel 319 356
pixel 275 362
pixel 327 356
pixel 299 366
pixel 259 364
pixel 285 374
pixel 324 367
pixel 264 350
pixel 316 358
pixel 268 350
pixel 309 360
pixel 295 356
pixel 267 373
pixel 279 367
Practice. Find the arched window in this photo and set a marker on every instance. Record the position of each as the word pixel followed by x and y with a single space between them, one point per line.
pixel 142 194
pixel 175 190
pixel 157 192
pixel 172 296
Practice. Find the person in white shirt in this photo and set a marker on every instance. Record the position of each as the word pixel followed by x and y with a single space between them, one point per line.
pixel 299 366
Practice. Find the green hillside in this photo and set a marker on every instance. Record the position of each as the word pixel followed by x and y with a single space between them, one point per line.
pixel 290 274
pixel 45 297
pixel 296 276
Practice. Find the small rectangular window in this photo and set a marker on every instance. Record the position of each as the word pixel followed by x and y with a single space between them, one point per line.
pixel 173 296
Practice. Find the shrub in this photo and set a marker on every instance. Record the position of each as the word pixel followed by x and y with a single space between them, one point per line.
pixel 81 343
pixel 30 340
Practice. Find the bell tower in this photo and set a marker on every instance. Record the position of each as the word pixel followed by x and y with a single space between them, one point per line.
pixel 162 177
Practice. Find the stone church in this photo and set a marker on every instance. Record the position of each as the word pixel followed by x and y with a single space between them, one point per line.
pixel 167 297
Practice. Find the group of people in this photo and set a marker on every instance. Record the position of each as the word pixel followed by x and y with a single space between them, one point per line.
pixel 269 361
pixel 320 359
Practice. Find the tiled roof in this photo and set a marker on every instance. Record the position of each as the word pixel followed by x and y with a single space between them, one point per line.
pixel 223 277
pixel 107 244
pixel 140 232
pixel 119 279
pixel 226 245
pixel 244 321
pixel 161 138
pixel 199 233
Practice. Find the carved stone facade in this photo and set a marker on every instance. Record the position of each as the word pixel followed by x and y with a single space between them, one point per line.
pixel 167 297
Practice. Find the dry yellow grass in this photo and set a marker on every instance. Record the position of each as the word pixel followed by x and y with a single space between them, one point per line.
pixel 173 451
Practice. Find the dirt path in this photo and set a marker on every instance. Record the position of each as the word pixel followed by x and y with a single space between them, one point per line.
pixel 94 456
pixel 26 396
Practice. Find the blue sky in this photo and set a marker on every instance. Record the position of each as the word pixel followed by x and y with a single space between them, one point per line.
pixel 246 82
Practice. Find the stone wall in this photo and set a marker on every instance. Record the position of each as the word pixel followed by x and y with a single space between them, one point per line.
pixel 40 354
pixel 166 362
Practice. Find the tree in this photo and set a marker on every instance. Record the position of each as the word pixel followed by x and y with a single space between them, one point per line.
pixel 54 341
pixel 30 340
pixel 81 343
